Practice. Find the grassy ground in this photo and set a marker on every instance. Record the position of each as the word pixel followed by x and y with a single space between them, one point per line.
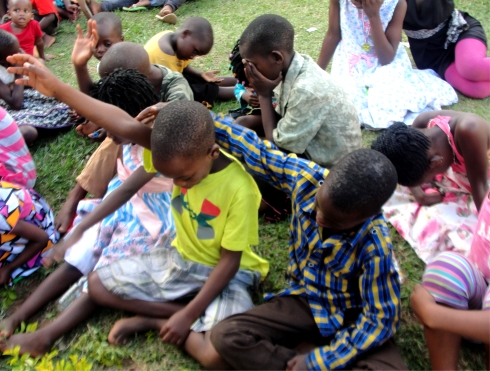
pixel 61 157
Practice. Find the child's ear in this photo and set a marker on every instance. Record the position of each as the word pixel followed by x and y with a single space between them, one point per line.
pixel 435 160
pixel 214 151
pixel 185 33
pixel 278 57
pixel 122 37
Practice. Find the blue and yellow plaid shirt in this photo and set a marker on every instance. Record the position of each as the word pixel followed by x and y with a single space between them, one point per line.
pixel 349 271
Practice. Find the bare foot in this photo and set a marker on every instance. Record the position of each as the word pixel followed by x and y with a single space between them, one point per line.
pixel 167 9
pixel 48 40
pixel 127 327
pixel 8 326
pixel 31 343
pixel 87 128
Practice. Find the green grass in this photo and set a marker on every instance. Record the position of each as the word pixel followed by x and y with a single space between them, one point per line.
pixel 61 157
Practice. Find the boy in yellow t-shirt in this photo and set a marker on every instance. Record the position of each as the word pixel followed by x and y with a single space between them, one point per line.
pixel 175 50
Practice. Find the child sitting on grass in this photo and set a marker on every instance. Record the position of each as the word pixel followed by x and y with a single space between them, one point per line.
pixel 313 116
pixel 140 222
pixel 100 168
pixel 450 150
pixel 47 16
pixel 30 109
pixel 216 222
pixel 24 27
pixel 26 220
pixel 176 50
pixel 343 293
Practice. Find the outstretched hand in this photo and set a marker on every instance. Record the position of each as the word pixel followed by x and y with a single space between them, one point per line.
pixel 261 84
pixel 82 50
pixel 149 114
pixel 34 74
pixel 210 76
pixel 58 251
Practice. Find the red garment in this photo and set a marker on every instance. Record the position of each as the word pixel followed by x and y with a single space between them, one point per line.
pixel 44 7
pixel 27 37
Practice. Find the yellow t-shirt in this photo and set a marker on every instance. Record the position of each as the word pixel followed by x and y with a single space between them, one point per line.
pixel 221 211
pixel 157 56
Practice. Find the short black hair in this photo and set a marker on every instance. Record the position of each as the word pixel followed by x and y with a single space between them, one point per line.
pixel 109 18
pixel 7 42
pixel 200 28
pixel 182 129
pixel 267 33
pixel 125 55
pixel 129 90
pixel 407 148
pixel 361 182
pixel 237 66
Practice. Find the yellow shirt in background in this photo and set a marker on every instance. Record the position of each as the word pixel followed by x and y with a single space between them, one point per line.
pixel 221 211
pixel 157 56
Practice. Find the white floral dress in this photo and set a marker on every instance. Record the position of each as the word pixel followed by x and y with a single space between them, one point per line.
pixel 383 94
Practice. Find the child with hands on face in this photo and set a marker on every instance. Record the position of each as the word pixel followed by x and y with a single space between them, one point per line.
pixel 363 38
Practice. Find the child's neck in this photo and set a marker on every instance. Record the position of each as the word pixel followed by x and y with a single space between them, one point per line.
pixel 15 27
pixel 220 163
pixel 155 78
pixel 168 43
pixel 287 63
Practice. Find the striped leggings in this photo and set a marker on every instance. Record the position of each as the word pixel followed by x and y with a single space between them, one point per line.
pixel 456 282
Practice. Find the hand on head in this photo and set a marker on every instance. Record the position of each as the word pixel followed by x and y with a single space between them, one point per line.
pixel 82 50
pixel 371 7
pixel 149 114
pixel 262 85
pixel 34 74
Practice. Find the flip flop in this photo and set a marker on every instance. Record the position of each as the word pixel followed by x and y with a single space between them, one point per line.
pixel 134 8
pixel 85 8
pixel 169 18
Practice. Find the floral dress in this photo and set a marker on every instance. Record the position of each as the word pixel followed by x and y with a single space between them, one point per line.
pixel 18 203
pixel 383 94
pixel 447 226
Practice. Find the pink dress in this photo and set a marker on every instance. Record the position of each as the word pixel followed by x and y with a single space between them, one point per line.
pixel 447 226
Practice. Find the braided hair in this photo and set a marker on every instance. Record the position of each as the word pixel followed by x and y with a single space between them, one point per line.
pixel 407 149
pixel 236 65
pixel 129 90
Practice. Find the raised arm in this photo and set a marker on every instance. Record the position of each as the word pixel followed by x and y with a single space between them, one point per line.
pixel 385 43
pixel 111 118
pixel 81 54
pixel 107 207
pixel 333 35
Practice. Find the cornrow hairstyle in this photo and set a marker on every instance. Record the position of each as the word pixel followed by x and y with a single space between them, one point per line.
pixel 267 33
pixel 236 65
pixel 407 149
pixel 182 129
pixel 129 90
pixel 362 181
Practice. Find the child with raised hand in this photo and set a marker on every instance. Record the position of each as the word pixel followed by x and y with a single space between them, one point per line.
pixel 134 218
pixel 216 224
pixel 454 301
pixel 176 50
pixel 343 292
pixel 312 115
pixel 100 168
pixel 26 220
pixel 30 109
pixel 24 27
pixel 364 39
pixel 449 149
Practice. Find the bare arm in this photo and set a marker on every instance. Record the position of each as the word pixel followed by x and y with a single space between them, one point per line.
pixel 472 140
pixel 472 324
pixel 110 204
pixel 177 328
pixel 40 47
pixel 12 96
pixel 385 43
pixel 81 54
pixel 333 35
pixel 110 117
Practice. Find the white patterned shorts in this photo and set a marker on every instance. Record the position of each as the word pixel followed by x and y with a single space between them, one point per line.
pixel 162 275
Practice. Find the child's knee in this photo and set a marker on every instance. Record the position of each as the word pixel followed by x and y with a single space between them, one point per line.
pixel 95 287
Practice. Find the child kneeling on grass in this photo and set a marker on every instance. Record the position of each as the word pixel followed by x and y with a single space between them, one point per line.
pixel 343 294
pixel 216 222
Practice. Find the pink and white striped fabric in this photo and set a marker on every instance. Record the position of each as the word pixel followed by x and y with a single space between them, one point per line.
pixel 16 164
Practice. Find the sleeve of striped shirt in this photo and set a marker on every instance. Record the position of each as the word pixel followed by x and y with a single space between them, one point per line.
pixel 380 292
pixel 263 158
